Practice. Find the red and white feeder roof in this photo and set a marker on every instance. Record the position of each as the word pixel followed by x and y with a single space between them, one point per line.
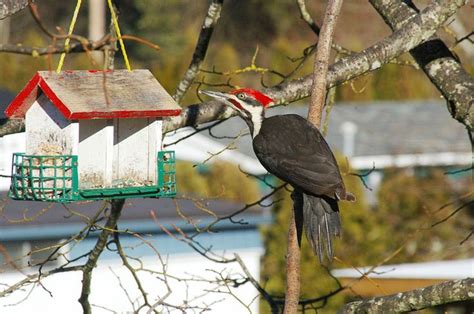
pixel 83 95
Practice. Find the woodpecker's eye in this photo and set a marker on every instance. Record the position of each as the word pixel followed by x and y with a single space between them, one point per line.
pixel 241 96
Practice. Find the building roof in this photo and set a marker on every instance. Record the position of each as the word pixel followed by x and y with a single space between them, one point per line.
pixel 23 220
pixel 97 95
pixel 456 269
pixel 389 133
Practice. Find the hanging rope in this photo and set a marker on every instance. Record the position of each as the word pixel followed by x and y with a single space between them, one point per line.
pixel 68 39
pixel 119 35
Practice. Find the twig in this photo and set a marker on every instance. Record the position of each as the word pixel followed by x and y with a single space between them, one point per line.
pixel 307 17
pixel 363 175
pixel 454 212
pixel 466 238
pixel 263 292
pixel 34 278
pixel 133 273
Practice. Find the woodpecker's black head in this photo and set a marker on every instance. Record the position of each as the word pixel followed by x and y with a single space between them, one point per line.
pixel 249 103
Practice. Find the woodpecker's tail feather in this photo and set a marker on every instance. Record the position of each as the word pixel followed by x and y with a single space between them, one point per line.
pixel 321 222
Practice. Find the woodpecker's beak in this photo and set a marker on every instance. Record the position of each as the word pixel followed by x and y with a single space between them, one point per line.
pixel 223 97
pixel 216 95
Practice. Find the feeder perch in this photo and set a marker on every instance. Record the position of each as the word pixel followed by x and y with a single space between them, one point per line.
pixel 93 135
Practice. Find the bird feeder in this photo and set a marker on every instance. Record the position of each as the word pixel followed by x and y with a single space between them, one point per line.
pixel 93 135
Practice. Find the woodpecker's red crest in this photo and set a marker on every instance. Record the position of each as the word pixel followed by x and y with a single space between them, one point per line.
pixel 261 98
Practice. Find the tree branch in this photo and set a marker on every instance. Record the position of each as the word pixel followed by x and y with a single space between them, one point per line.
pixel 293 257
pixel 213 15
pixel 437 61
pixel 307 17
pixel 34 278
pixel 108 229
pixel 321 63
pixel 133 272
pixel 10 7
pixel 318 96
pixel 271 302
pixel 446 292
pixel 11 126
pixel 41 51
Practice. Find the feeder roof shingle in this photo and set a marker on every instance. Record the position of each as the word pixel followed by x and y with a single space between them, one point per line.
pixel 97 95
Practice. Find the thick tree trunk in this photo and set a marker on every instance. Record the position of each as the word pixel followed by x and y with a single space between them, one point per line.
pixel 436 60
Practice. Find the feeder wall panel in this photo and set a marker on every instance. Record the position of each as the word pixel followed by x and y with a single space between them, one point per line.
pixel 95 153
pixel 48 132
pixel 155 135
pixel 135 147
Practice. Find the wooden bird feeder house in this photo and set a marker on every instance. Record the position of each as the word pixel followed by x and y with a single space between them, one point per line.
pixel 93 135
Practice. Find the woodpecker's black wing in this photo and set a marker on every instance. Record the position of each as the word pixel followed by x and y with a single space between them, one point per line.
pixel 294 150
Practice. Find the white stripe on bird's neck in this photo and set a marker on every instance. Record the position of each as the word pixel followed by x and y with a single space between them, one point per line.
pixel 257 124
pixel 256 115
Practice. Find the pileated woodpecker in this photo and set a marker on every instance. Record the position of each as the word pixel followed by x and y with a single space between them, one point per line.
pixel 293 149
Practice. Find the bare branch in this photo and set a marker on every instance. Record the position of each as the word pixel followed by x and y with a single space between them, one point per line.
pixel 362 176
pixel 133 272
pixel 466 238
pixel 454 212
pixel 11 126
pixel 34 278
pixel 321 63
pixel 437 61
pixel 446 292
pixel 110 225
pixel 307 17
pixel 213 15
pixel 10 7
pixel 263 292
pixel 41 51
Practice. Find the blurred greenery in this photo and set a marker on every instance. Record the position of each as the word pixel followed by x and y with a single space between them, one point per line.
pixel 410 203
pixel 219 180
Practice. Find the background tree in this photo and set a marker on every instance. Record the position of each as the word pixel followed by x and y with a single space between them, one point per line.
pixel 411 203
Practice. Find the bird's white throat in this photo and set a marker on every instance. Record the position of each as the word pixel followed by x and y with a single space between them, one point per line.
pixel 256 115
pixel 257 124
